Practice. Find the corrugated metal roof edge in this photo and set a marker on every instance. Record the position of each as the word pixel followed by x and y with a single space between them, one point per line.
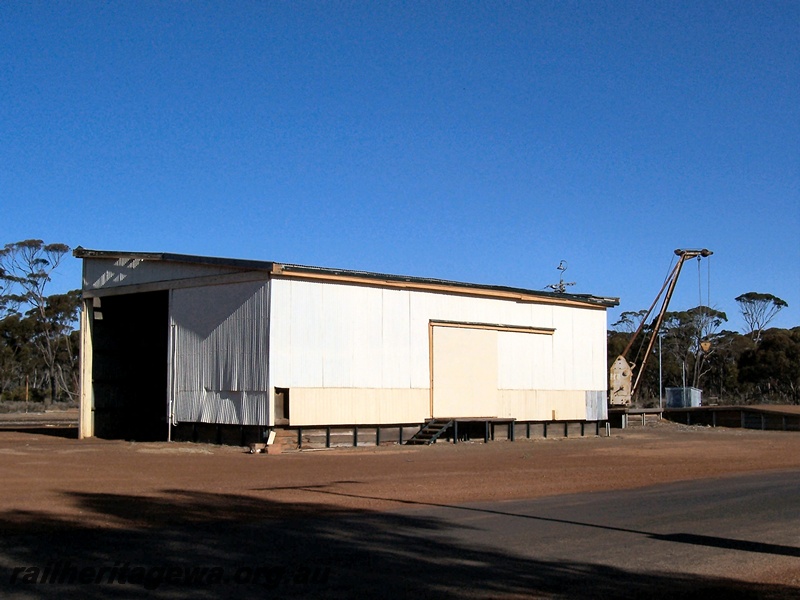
pixel 377 277
pixel 238 263
pixel 277 268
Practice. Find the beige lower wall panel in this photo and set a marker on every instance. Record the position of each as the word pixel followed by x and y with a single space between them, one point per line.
pixel 539 405
pixel 347 406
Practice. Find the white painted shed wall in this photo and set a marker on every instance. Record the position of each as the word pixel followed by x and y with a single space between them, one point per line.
pixel 341 336
pixel 369 346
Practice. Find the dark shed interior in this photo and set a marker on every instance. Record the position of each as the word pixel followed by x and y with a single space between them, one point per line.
pixel 130 338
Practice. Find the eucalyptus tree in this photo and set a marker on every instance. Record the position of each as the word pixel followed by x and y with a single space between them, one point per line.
pixel 690 337
pixel 773 366
pixel 758 310
pixel 26 268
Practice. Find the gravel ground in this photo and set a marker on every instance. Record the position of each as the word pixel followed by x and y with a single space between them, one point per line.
pixel 51 482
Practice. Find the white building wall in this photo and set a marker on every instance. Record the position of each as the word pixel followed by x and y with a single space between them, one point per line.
pixel 396 332
pixel 361 354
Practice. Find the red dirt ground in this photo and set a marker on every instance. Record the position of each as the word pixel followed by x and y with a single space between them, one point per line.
pixel 41 470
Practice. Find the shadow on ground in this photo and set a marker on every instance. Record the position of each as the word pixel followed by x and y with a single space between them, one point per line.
pixel 192 545
pixel 67 432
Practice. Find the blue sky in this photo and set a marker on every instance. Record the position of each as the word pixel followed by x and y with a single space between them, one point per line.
pixel 480 142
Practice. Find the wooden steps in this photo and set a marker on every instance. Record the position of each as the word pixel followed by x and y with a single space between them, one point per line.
pixel 431 431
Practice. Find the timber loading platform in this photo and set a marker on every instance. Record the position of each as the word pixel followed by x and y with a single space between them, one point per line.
pixel 471 427
pixel 773 418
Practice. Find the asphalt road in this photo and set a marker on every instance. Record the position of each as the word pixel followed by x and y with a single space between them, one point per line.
pixel 700 535
pixel 735 537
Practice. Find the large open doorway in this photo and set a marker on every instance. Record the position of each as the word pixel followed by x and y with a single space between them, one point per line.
pixel 130 339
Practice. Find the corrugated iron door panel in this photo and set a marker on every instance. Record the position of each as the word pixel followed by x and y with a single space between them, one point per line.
pixel 220 340
pixel 223 407
pixel 596 405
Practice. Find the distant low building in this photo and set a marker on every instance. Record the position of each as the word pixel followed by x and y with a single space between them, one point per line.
pixel 172 340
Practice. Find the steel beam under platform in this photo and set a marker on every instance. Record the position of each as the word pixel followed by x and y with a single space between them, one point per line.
pixel 488 427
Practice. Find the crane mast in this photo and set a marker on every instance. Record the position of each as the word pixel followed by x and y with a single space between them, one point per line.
pixel 622 382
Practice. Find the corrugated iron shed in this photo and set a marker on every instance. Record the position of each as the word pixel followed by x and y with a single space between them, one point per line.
pixel 258 343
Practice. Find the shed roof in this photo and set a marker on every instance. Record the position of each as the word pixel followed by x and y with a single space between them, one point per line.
pixel 276 269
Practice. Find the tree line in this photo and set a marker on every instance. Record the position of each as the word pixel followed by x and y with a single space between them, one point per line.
pixel 760 366
pixel 39 342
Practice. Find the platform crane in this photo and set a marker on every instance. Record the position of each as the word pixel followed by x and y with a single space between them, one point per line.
pixel 622 382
